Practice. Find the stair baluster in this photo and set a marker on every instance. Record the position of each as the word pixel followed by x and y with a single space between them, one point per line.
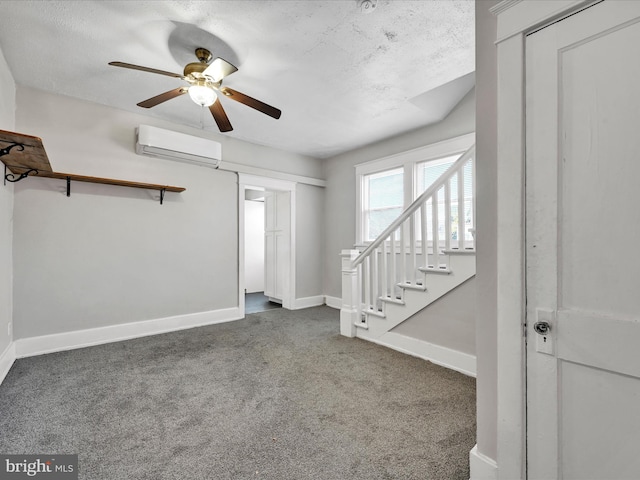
pixel 384 277
pixel 424 235
pixel 435 234
pixel 412 249
pixel 367 282
pixel 394 266
pixel 447 210
pixel 461 232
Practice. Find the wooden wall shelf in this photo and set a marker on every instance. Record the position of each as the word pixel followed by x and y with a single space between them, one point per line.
pixel 24 156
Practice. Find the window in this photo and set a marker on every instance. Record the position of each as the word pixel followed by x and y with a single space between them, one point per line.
pixel 429 172
pixel 384 201
pixel 387 186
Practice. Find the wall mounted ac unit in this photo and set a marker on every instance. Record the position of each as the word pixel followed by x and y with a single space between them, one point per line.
pixel 162 143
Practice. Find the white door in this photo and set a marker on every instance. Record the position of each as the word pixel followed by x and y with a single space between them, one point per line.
pixel 277 248
pixel 583 235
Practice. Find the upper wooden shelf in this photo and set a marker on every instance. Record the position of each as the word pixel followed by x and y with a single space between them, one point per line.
pixel 108 181
pixel 28 152
pixel 24 155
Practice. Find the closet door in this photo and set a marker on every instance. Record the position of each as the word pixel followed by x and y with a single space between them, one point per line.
pixel 582 229
pixel 277 248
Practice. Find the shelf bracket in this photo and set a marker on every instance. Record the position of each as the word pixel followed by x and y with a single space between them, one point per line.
pixel 6 150
pixel 10 177
pixel 68 186
pixel 162 190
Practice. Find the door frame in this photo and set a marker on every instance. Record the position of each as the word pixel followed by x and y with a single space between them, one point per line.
pixel 245 182
pixel 515 19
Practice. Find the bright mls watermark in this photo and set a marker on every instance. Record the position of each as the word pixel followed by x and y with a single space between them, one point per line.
pixel 48 467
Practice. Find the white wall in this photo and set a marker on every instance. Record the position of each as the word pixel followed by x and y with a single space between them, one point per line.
pixel 254 246
pixel 487 229
pixel 340 203
pixel 448 322
pixel 110 255
pixel 7 122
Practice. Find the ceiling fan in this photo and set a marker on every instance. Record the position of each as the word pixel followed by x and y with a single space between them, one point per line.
pixel 204 78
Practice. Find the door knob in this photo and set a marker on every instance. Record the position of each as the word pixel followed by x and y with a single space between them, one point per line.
pixel 542 328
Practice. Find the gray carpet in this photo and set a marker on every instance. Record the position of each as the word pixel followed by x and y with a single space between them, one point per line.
pixel 278 395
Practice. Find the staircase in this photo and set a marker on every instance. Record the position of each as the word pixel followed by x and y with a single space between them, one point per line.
pixel 426 252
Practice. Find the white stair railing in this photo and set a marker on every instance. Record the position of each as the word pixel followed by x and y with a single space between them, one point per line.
pixel 440 221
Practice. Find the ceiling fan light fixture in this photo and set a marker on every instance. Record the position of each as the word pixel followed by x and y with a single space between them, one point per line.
pixel 202 95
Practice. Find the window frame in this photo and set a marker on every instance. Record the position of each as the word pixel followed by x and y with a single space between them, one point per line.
pixel 408 161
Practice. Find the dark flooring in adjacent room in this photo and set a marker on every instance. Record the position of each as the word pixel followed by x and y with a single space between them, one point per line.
pixel 279 395
pixel 258 302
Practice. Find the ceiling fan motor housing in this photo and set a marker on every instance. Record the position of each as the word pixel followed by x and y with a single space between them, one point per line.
pixel 203 55
pixel 195 67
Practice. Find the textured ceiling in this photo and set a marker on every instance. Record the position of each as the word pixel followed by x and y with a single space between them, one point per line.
pixel 342 78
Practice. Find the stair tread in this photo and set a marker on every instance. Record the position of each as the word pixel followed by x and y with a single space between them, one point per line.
pixel 376 313
pixel 397 301
pixel 435 270
pixel 454 251
pixel 412 286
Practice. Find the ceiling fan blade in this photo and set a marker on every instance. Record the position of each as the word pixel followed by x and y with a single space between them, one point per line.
pixel 219 69
pixel 145 69
pixel 220 116
pixel 163 97
pixel 251 102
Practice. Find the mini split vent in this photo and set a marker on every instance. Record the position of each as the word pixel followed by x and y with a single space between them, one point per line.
pixel 177 146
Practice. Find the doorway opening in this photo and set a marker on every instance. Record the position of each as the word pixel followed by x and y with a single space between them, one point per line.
pixel 257 302
pixel 255 299
pixel 266 243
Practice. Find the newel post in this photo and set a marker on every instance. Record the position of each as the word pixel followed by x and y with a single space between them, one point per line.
pixel 350 297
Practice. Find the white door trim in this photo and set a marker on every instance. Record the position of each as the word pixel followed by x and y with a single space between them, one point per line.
pixel 518 16
pixel 515 20
pixel 510 258
pixel 245 181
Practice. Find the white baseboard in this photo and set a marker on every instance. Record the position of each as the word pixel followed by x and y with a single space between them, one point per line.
pixel 445 357
pixel 333 302
pixel 6 360
pixel 481 466
pixel 307 302
pixel 27 347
